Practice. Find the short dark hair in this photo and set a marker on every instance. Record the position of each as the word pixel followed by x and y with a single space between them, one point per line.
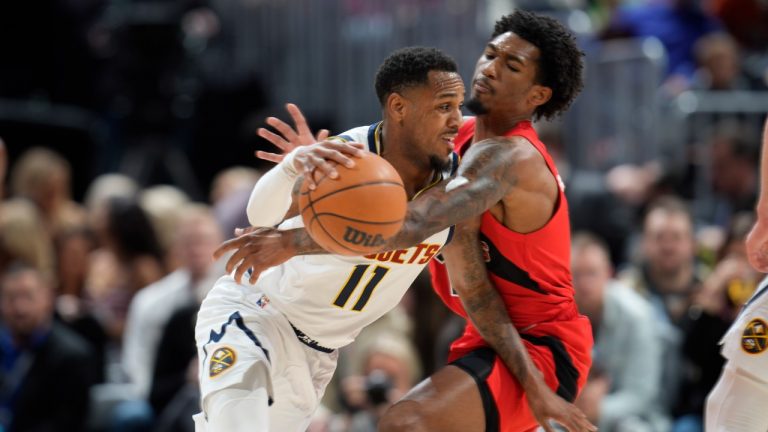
pixel 408 67
pixel 560 66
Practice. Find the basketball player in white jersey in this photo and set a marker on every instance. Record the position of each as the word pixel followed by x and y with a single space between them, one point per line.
pixel 739 400
pixel 268 350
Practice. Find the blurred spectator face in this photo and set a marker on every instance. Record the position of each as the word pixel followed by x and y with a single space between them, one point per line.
pixel 731 175
pixel 42 176
pixel 198 237
pixel 74 249
pixel 719 56
pixel 25 302
pixel 591 271
pixel 668 241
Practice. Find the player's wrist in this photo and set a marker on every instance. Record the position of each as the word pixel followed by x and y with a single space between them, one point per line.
pixel 288 165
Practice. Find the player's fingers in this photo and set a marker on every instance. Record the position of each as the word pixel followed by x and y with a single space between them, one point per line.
pixel 298 119
pixel 271 157
pixel 287 131
pixel 226 247
pixel 241 269
pixel 322 135
pixel 275 139
pixel 346 149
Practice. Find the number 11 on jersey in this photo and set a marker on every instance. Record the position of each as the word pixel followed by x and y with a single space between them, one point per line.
pixel 354 281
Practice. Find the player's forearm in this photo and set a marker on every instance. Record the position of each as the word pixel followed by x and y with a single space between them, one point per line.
pixel 486 174
pixel 300 243
pixel 271 197
pixel 485 307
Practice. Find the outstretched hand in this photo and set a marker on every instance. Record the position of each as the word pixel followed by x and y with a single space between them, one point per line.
pixel 289 138
pixel 757 246
pixel 257 249
pixel 546 405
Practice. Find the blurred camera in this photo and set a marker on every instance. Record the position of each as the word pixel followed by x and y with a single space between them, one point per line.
pixel 377 387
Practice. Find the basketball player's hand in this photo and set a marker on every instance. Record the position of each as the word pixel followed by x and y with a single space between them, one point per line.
pixel 546 405
pixel 324 157
pixel 289 138
pixel 757 245
pixel 255 248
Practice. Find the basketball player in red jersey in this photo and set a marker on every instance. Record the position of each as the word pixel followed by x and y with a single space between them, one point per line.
pixel 508 262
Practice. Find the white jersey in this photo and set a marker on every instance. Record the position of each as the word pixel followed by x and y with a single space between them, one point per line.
pixel 331 298
pixel 745 344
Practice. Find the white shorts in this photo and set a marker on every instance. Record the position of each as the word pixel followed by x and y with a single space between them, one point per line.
pixel 244 342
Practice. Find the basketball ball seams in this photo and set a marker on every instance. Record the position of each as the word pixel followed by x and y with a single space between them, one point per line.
pixel 362 221
pixel 355 186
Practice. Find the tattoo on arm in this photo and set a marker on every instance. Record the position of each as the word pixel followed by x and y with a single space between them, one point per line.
pixel 489 166
pixel 484 305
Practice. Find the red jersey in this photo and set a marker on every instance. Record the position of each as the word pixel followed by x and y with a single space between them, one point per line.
pixel 530 271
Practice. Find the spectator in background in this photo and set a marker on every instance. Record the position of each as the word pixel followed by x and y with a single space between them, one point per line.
pixel 47 370
pixel 714 308
pixel 43 177
pixel 163 203
pixel 21 238
pixel 388 368
pixel 625 381
pixel 130 259
pixel 719 65
pixel 230 191
pixel 678 24
pixel 667 276
pixel 734 176
pixel 195 239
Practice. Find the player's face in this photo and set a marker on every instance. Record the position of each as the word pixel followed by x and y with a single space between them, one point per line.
pixel 505 78
pixel 435 115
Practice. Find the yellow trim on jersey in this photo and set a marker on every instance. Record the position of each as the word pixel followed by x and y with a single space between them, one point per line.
pixel 337 138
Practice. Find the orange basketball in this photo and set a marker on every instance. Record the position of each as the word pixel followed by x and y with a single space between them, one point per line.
pixel 357 212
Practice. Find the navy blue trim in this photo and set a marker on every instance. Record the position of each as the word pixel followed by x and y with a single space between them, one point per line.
pixel 454 163
pixel 372 137
pixel 308 341
pixel 346 138
pixel 238 320
pixel 450 234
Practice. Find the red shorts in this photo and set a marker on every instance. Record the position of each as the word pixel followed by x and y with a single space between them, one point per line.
pixel 560 350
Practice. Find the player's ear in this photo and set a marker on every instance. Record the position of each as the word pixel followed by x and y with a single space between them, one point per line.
pixel 539 95
pixel 396 107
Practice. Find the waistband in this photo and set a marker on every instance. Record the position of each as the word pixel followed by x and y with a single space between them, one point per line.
pixel 308 341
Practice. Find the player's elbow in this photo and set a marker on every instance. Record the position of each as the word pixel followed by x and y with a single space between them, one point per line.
pixel 403 416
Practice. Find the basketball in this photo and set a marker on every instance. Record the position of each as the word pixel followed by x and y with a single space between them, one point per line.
pixel 357 212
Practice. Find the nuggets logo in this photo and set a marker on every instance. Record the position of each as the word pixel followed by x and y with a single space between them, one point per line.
pixel 754 339
pixel 221 360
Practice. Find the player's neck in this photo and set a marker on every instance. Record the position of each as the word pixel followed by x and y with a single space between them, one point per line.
pixel 489 126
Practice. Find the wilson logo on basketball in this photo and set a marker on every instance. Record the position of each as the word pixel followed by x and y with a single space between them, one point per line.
pixel 357 237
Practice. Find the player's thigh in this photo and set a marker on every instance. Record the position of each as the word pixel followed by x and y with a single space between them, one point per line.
pixel 239 343
pixel 449 400
pixel 299 385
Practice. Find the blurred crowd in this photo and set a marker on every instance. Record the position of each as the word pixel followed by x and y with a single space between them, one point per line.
pixel 106 233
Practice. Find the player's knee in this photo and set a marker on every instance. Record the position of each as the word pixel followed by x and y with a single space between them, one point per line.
pixel 404 416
